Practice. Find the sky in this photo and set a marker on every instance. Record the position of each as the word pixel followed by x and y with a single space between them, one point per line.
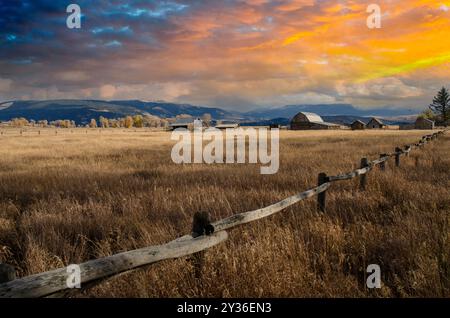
pixel 234 54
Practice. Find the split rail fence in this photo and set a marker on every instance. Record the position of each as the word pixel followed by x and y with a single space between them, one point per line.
pixel 204 235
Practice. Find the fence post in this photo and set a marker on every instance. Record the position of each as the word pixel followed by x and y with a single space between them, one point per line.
pixel 201 225
pixel 383 164
pixel 363 177
pixel 7 273
pixel 397 156
pixel 321 197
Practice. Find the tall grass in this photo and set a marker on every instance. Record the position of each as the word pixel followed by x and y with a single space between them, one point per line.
pixel 72 197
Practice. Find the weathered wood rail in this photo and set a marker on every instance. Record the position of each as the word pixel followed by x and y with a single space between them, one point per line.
pixel 204 236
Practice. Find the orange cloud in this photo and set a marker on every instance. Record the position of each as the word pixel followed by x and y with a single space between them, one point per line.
pixel 258 50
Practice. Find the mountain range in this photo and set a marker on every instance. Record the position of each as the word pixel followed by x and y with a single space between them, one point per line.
pixel 328 110
pixel 81 111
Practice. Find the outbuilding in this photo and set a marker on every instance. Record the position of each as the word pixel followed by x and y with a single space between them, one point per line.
pixel 375 123
pixel 358 125
pixel 306 121
pixel 187 123
pixel 227 125
pixel 423 123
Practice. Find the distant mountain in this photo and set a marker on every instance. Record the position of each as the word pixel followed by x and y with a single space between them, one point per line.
pixel 81 111
pixel 339 119
pixel 347 120
pixel 326 110
pixel 166 110
pixel 267 122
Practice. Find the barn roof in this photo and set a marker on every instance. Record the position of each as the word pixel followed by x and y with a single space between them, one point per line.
pixel 425 120
pixel 324 123
pixel 182 122
pixel 378 121
pixel 358 122
pixel 228 125
pixel 312 117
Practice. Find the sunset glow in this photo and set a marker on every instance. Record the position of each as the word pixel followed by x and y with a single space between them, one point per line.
pixel 238 54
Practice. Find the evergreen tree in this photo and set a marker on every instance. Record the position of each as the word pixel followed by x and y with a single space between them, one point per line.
pixel 441 105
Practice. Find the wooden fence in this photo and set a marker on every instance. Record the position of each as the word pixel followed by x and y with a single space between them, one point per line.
pixel 204 235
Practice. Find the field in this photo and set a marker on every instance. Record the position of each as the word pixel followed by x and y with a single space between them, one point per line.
pixel 82 194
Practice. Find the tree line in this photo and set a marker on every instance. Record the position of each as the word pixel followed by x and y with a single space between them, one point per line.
pixel 136 121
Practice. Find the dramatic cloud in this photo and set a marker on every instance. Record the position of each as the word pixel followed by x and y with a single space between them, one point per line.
pixel 234 54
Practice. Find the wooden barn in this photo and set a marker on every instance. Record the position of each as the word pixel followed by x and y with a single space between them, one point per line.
pixel 305 121
pixel 423 123
pixel 358 125
pixel 375 123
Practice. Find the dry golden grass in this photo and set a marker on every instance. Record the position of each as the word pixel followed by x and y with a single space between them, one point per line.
pixel 71 197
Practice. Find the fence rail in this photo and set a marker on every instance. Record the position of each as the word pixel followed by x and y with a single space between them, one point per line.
pixel 204 236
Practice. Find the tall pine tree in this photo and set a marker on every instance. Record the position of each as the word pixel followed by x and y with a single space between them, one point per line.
pixel 441 105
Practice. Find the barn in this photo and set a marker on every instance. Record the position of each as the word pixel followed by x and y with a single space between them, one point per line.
pixel 358 125
pixel 305 121
pixel 423 123
pixel 375 123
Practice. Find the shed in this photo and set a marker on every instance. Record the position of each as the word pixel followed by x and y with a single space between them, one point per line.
pixel 304 121
pixel 423 123
pixel 375 123
pixel 227 125
pixel 187 123
pixel 275 126
pixel 358 125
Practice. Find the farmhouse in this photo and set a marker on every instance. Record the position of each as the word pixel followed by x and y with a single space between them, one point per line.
pixel 375 123
pixel 423 123
pixel 304 121
pixel 358 125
